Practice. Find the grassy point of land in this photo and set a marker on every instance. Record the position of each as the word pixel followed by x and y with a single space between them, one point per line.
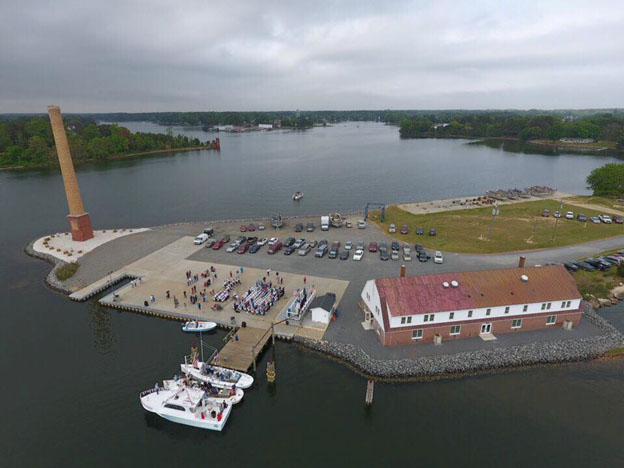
pixel 519 226
pixel 607 202
pixel 66 271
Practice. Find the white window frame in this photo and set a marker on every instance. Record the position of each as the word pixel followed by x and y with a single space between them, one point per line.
pixel 403 319
pixel 568 304
pixel 548 322
pixel 451 315
pixel 544 306
pixel 457 327
pixel 518 323
pixel 416 333
pixel 548 305
pixel 409 319
pixel 563 304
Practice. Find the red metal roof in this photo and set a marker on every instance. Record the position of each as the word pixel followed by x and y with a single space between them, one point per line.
pixel 426 294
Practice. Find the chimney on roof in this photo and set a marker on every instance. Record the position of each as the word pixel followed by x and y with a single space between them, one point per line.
pixel 402 271
pixel 521 261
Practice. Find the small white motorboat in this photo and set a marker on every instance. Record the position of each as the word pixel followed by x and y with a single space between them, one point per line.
pixel 217 376
pixel 196 326
pixel 297 196
pixel 231 396
pixel 187 405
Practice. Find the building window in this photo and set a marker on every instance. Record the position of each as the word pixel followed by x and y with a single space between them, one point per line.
pixel 409 319
pixel 429 318
pixel 516 323
pixel 426 319
pixel 377 309
pixel 451 315
pixel 525 308
pixel 417 334
pixel 402 320
pixel 507 310
pixel 551 320
pixel 368 296
pixel 568 303
pixel 487 312
pixel 455 329
pixel 563 305
pixel 544 306
pixel 548 305
pixel 469 313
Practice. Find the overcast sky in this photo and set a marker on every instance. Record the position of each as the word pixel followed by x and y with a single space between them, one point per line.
pixel 153 55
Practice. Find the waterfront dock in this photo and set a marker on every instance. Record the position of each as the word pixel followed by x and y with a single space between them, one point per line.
pixel 242 350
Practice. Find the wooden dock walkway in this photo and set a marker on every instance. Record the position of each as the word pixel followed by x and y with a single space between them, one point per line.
pixel 240 354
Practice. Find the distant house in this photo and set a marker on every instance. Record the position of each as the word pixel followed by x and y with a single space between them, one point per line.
pixel 415 309
pixel 322 308
pixel 576 140
pixel 440 125
pixel 265 126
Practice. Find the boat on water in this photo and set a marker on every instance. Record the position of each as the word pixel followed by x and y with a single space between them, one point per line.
pixel 216 376
pixel 335 219
pixel 187 405
pixel 196 326
pixel 231 396
pixel 297 196
pixel 277 221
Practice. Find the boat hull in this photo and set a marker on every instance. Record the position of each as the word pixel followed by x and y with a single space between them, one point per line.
pixel 202 328
pixel 245 380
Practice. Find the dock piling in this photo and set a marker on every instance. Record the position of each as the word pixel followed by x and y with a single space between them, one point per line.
pixel 370 387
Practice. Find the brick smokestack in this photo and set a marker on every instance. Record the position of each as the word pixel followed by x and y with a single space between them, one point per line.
pixel 521 261
pixel 402 271
pixel 79 220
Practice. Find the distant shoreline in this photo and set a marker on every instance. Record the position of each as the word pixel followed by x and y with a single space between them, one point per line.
pixel 115 157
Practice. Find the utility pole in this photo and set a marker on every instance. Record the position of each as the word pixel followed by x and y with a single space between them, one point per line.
pixel 495 213
pixel 557 220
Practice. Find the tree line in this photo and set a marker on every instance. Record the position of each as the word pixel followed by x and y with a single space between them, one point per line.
pixel 27 141
pixel 601 126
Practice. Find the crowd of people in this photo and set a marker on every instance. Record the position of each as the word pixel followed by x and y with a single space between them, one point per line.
pixel 259 298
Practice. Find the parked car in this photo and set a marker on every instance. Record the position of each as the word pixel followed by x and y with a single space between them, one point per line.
pixel 570 215
pixel 251 227
pixel 289 241
pixel 348 245
pixel 360 245
pixel 254 248
pixel 407 253
pixel 395 254
pixel 372 247
pixel 321 251
pixel 392 229
pixel 260 227
pixel 618 220
pixel 310 227
pixel 335 245
pixel 581 217
pixel 323 242
pixel 333 253
pixel 610 261
pixel 423 257
pixel 432 232
pixel 262 241
pixel 361 224
pixel 546 213
pixel 384 246
pixel 383 255
pixel 289 250
pixel 252 240
pixel 304 249
pixel 244 247
pixel 419 248
pixel 210 243
pixel 209 231
pixel 220 243
pixel 243 228
pixel 348 224
pixel 395 245
pixel 585 266
pixel 598 264
pixel 595 219
pixel 241 239
pixel 200 239
pixel 274 248
pixel 233 246
pixel 605 219
pixel 298 227
pixel 357 256
pixel 571 267
pixel 298 243
pixel 437 257
pixel 344 255
pixel 420 231
pixel 273 240
pixel 557 214
pixel 404 229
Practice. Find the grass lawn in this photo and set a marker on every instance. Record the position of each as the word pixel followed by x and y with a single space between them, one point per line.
pixel 597 283
pixel 66 271
pixel 519 226
pixel 607 202
pixel 592 145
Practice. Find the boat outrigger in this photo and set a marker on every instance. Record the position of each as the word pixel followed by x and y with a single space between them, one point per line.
pixel 297 196
pixel 196 326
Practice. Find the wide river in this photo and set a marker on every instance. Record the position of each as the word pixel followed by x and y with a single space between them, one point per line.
pixel 72 372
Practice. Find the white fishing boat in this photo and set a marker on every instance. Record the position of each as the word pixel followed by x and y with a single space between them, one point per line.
pixel 188 406
pixel 215 375
pixel 297 196
pixel 231 396
pixel 196 326
pixel 277 221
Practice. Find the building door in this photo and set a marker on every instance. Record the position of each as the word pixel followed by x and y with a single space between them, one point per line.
pixel 486 328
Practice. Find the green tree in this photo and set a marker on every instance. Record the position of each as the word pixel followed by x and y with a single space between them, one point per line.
pixel 607 180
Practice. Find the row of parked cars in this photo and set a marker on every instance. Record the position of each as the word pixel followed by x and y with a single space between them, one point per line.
pixel 405 230
pixel 606 219
pixel 599 263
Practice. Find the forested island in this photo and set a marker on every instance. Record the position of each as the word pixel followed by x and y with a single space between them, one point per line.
pixel 591 132
pixel 28 141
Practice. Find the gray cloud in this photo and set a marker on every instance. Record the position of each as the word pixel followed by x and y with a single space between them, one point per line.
pixel 160 55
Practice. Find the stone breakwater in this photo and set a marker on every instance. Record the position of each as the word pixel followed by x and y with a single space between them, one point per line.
pixel 56 263
pixel 476 361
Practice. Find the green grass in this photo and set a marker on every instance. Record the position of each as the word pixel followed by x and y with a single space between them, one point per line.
pixel 592 145
pixel 597 283
pixel 607 202
pixel 66 271
pixel 615 352
pixel 519 226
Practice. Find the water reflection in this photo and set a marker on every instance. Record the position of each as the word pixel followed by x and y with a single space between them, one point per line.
pixel 103 334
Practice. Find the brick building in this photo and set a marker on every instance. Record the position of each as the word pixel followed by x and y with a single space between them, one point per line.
pixel 415 309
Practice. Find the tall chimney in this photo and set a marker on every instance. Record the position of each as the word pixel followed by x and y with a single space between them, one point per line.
pixel 79 221
pixel 521 261
pixel 402 271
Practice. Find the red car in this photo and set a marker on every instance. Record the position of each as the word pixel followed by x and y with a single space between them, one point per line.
pixel 217 245
pixel 244 247
pixel 372 247
pixel 243 229
pixel 251 227
pixel 404 229
pixel 546 213
pixel 277 246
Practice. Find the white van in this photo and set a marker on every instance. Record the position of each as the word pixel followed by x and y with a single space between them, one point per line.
pixel 437 257
pixel 200 239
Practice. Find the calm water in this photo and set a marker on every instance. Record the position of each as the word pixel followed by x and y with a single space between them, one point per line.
pixel 72 372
